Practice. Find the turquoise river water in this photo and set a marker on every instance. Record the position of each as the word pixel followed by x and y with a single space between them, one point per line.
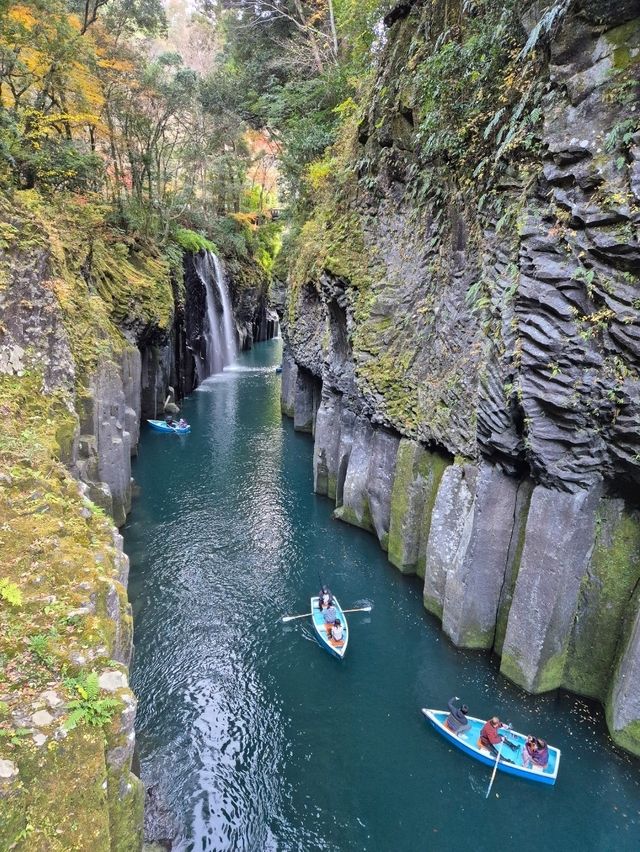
pixel 257 738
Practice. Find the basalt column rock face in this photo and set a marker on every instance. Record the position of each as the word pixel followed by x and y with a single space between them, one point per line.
pixel 623 705
pixel 557 550
pixel 327 444
pixel 306 401
pixel 415 486
pixel 366 492
pixel 472 310
pixel 288 385
pixel 109 430
pixel 472 589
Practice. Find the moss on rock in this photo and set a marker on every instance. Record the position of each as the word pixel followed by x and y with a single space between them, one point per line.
pixel 415 486
pixel 605 596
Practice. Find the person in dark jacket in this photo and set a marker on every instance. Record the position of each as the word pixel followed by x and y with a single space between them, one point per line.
pixel 457 721
pixel 325 598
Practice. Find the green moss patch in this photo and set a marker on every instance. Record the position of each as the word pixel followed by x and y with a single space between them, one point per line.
pixel 605 596
pixel 58 553
pixel 415 486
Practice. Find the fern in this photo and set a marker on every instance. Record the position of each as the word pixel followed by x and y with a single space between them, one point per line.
pixel 95 713
pixel 10 592
pixel 88 708
pixel 39 647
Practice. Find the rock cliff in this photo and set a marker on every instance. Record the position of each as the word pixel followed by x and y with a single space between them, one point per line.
pixel 93 332
pixel 462 332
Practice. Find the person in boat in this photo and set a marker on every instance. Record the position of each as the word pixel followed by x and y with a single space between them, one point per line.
pixel 330 615
pixel 490 738
pixel 535 754
pixel 337 633
pixel 182 423
pixel 457 721
pixel 170 421
pixel 325 598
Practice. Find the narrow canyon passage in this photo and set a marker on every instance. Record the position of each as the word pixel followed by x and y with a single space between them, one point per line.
pixel 257 739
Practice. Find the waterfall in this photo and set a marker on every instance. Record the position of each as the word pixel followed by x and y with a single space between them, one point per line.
pixel 219 328
pixel 229 335
pixel 276 331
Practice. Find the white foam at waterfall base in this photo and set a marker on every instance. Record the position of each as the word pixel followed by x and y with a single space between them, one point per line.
pixel 219 328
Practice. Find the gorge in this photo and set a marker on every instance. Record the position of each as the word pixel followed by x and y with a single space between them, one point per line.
pixel 437 205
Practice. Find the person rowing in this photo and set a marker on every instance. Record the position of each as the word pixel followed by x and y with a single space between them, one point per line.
pixel 490 738
pixel 329 616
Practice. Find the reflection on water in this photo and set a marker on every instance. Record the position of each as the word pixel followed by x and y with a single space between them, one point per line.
pixel 260 740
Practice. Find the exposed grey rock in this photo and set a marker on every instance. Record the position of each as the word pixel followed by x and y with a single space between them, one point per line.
pixel 42 719
pixel 347 429
pixel 415 486
pixel 354 508
pixel 327 444
pixel 558 545
pixel 33 330
pixel 106 445
pixel 123 734
pixel 112 681
pixel 475 580
pixel 451 523
pixel 52 698
pixel 384 448
pixel 523 499
pixel 8 770
pixel 306 402
pixel 623 706
pixel 289 382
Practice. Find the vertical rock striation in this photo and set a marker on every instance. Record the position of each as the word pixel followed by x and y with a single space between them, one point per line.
pixel 475 328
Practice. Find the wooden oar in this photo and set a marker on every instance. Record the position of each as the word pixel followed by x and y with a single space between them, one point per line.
pixel 286 618
pixel 495 765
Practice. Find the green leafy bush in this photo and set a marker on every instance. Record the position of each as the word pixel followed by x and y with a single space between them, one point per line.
pixel 192 241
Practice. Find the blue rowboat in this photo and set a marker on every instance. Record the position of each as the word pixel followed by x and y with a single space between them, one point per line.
pixel 161 426
pixel 468 743
pixel 335 649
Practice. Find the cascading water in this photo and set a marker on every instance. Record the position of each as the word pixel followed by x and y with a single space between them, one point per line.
pixel 229 336
pixel 219 326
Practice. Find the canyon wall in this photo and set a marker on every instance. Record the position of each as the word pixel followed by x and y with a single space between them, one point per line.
pixel 94 334
pixel 462 332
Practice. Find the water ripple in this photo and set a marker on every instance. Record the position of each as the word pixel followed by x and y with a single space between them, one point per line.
pixel 261 741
